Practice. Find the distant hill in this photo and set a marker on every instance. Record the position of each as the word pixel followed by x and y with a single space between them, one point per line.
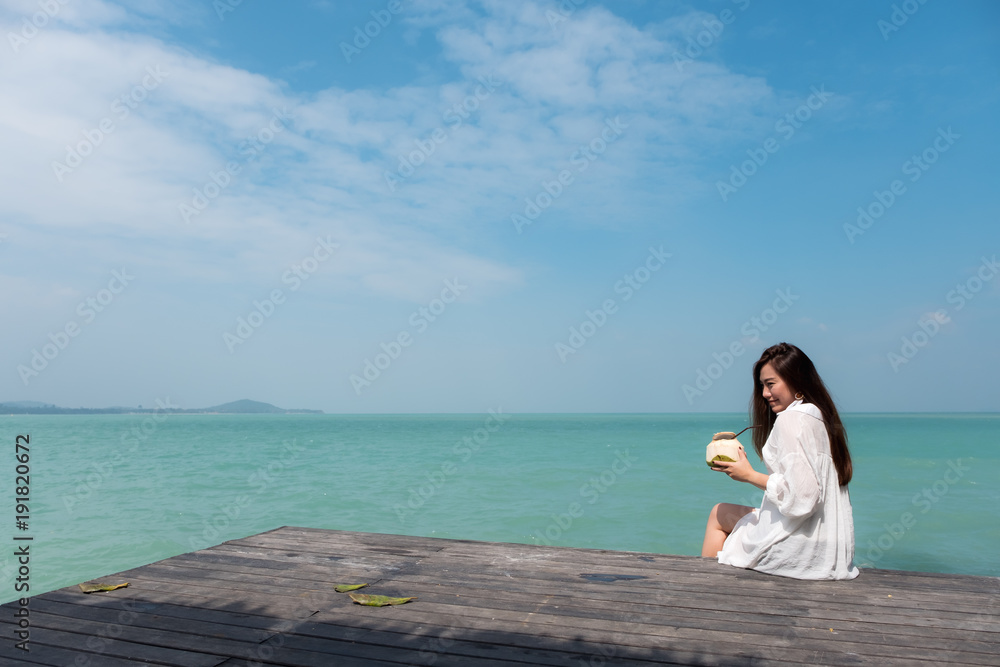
pixel 242 407
pixel 28 404
pixel 247 407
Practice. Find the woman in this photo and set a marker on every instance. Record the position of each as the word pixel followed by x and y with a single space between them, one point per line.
pixel 804 528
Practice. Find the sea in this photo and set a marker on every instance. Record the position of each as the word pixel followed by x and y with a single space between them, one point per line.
pixel 106 493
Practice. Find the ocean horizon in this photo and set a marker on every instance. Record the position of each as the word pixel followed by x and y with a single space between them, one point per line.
pixel 113 492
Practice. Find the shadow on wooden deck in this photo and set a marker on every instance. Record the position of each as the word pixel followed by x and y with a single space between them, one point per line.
pixel 268 599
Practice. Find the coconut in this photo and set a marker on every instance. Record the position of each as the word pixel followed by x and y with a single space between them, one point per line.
pixel 724 447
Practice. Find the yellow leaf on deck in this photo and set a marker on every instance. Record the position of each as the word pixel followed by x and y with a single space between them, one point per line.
pixel 100 588
pixel 377 600
pixel 343 588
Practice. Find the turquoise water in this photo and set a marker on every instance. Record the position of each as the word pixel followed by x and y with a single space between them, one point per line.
pixel 112 492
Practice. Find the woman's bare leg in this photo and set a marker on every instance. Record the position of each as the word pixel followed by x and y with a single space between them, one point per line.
pixel 721 522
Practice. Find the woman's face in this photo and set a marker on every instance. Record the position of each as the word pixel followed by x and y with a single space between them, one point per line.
pixel 778 394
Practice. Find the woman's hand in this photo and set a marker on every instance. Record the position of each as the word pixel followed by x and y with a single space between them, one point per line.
pixel 742 471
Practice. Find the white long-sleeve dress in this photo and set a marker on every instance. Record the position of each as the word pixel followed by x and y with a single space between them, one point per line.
pixel 804 527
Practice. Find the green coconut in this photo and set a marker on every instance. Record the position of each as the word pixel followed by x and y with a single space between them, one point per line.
pixel 719 457
pixel 724 447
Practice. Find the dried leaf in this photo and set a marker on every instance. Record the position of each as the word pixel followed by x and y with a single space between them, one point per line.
pixel 343 588
pixel 377 600
pixel 96 588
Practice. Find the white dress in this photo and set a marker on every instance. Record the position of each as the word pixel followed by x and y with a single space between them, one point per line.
pixel 804 527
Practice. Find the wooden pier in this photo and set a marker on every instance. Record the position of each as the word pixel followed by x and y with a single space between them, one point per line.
pixel 269 599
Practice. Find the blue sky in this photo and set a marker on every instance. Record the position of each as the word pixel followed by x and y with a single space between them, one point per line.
pixel 575 207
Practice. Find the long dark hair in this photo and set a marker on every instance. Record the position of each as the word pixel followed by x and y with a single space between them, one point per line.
pixel 799 374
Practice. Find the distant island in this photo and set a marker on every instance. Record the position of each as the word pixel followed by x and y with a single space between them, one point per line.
pixel 241 407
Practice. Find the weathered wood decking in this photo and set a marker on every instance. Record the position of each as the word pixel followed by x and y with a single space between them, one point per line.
pixel 269 599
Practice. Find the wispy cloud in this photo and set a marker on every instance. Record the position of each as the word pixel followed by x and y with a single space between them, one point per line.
pixel 325 173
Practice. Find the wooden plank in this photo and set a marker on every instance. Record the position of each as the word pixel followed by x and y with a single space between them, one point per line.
pixel 102 649
pixel 172 635
pixel 236 611
pixel 270 596
pixel 412 648
pixel 480 551
pixel 890 580
pixel 257 611
pixel 471 637
pixel 843 591
pixel 598 599
pixel 694 601
pixel 54 656
pixel 722 620
pixel 759 624
pixel 312 661
pixel 109 616
pixel 883 628
pixel 557 623
pixel 622 649
pixel 732 600
pixel 186 606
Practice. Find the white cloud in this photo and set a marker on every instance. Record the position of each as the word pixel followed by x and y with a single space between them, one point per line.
pixel 43 14
pixel 323 173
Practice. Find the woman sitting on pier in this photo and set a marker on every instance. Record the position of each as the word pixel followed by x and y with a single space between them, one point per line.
pixel 804 527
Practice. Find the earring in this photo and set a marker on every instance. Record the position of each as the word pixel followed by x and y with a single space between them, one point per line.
pixel 799 396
